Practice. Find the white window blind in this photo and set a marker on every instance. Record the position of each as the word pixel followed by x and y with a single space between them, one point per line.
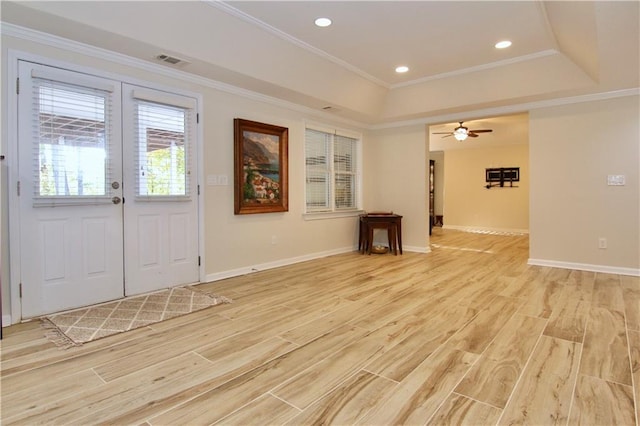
pixel 163 149
pixel 331 171
pixel 318 188
pixel 344 160
pixel 72 143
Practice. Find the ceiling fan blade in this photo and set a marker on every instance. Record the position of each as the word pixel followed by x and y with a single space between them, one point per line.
pixel 472 135
pixel 442 133
pixel 481 131
pixel 446 136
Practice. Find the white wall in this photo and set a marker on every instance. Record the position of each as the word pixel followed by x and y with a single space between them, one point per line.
pixel 572 149
pixel 396 173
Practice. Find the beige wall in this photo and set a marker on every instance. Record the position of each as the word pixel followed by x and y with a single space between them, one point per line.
pixel 395 179
pixel 468 204
pixel 573 149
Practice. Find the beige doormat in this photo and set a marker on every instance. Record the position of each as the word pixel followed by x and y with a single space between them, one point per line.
pixel 73 328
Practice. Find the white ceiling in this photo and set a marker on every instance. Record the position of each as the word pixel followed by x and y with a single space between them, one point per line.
pixel 560 49
pixel 431 38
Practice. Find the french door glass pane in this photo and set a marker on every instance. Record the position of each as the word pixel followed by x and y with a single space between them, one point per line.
pixel 162 150
pixel 72 140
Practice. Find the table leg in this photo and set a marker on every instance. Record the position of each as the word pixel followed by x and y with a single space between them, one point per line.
pixel 393 246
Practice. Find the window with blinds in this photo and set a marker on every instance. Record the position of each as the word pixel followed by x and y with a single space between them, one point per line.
pixel 331 171
pixel 162 149
pixel 72 125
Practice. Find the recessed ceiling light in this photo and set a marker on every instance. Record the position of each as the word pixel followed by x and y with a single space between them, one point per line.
pixel 323 22
pixel 503 44
pixel 402 69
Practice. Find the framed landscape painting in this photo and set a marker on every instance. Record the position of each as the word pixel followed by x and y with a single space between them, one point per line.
pixel 261 167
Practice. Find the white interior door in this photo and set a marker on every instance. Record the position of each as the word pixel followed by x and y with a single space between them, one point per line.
pixel 161 203
pixel 70 175
pixel 108 201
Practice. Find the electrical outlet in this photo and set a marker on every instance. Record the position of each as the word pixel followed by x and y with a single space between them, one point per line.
pixel 616 180
pixel 602 243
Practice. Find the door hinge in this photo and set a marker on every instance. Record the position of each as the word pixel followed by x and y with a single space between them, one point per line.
pixel 18 185
pixel 20 290
pixel 198 260
pixel 18 86
pixel 198 189
pixel 197 117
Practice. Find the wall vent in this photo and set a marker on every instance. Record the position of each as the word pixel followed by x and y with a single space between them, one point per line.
pixel 171 59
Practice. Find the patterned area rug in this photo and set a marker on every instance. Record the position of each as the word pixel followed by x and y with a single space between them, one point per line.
pixel 73 328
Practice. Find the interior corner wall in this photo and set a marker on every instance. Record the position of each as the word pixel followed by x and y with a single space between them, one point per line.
pixel 573 150
pixel 395 177
pixel 468 204
pixel 234 244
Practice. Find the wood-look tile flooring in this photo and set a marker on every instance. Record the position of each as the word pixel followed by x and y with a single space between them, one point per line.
pixel 468 334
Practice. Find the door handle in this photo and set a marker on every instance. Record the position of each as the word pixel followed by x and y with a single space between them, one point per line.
pixel 116 200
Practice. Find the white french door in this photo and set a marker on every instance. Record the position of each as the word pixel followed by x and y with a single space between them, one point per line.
pixel 161 210
pixel 106 179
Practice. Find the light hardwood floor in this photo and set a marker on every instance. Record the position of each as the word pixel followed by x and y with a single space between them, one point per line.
pixel 468 334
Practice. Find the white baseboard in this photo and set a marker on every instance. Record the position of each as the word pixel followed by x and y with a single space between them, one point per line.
pixel 416 249
pixel 217 276
pixel 270 265
pixel 486 230
pixel 586 267
pixel 6 320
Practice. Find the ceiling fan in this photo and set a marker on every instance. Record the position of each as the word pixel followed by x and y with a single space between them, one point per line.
pixel 461 132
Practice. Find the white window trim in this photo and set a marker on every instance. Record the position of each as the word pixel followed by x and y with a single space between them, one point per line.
pixel 340 213
pixel 332 215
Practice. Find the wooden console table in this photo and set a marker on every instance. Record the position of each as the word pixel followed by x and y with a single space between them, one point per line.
pixel 391 222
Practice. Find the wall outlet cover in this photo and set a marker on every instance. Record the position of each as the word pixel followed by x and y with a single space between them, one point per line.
pixel 615 180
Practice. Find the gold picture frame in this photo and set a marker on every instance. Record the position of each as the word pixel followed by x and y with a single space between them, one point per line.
pixel 261 154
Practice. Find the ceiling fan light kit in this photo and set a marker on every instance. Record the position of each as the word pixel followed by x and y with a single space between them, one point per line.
pixel 461 132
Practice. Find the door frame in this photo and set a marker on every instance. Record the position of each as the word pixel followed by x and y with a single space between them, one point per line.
pixel 13 174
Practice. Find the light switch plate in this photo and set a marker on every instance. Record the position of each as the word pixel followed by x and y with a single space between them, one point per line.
pixel 212 180
pixel 615 180
pixel 217 180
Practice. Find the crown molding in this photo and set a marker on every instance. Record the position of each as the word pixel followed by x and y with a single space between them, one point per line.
pixel 11 30
pixel 23 33
pixel 509 109
pixel 491 65
pixel 226 7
